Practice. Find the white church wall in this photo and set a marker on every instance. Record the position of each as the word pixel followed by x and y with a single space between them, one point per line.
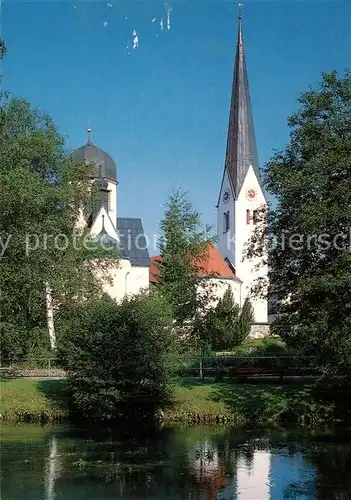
pixel 225 239
pixel 246 269
pixel 114 279
pixel 112 187
pixel 137 280
pixel 216 288
pixel 123 279
pixel 108 224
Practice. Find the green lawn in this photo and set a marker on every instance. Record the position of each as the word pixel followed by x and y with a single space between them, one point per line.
pixel 37 399
pixel 194 401
pixel 244 403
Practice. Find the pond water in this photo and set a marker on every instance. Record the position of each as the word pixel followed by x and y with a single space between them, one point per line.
pixel 177 462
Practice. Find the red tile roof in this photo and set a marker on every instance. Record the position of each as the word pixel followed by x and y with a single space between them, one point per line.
pixel 153 269
pixel 212 264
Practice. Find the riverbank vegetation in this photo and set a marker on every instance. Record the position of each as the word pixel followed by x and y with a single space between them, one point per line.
pixel 119 359
pixel 193 401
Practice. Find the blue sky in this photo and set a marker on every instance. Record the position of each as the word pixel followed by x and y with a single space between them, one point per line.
pixel 162 110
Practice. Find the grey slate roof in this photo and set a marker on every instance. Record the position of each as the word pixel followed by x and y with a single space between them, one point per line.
pixel 241 142
pixel 132 241
pixel 105 166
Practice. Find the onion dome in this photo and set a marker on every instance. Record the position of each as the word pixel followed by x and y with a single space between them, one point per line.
pixel 105 167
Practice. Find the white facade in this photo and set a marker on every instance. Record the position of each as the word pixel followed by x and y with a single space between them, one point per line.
pixel 216 288
pixel 124 279
pixel 103 221
pixel 112 209
pixel 232 240
pixel 250 270
pixel 225 243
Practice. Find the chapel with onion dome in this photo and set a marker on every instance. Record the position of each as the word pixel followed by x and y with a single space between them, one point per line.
pixel 126 234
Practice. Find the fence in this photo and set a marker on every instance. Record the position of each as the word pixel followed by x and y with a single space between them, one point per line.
pixel 231 365
pixel 31 367
pixel 220 365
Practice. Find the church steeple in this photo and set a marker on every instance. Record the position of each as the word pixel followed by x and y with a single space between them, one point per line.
pixel 241 143
pixel 242 193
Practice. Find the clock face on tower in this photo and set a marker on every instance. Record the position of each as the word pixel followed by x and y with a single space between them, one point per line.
pixel 251 194
pixel 226 196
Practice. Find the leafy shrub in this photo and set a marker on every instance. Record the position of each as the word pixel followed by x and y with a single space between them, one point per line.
pixel 223 323
pixel 119 357
pixel 228 325
pixel 21 346
pixel 12 346
pixel 268 346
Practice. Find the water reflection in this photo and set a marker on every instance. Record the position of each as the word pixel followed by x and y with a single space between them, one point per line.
pixel 51 469
pixel 253 476
pixel 177 463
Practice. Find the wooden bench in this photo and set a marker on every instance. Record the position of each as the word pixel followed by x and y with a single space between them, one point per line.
pixel 242 373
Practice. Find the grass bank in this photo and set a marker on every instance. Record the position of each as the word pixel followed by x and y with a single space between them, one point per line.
pixel 33 400
pixel 194 401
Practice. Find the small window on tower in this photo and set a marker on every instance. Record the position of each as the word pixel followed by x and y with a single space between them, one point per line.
pixel 105 198
pixel 255 217
pixel 109 200
pixel 225 222
pixel 248 216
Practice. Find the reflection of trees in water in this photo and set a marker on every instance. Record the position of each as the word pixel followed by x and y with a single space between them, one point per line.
pixel 332 464
pixel 208 466
pixel 189 462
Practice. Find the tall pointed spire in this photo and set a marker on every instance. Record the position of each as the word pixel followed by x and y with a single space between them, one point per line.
pixel 241 143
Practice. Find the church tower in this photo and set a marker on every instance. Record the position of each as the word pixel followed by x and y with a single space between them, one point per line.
pixel 241 192
pixel 103 216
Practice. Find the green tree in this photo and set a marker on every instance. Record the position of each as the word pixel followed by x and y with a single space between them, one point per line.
pixel 183 250
pixel 245 320
pixel 42 193
pixel 183 243
pixel 223 323
pixel 199 331
pixel 310 260
pixel 119 358
pixel 228 326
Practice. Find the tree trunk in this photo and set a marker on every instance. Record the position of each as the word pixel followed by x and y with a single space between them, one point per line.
pixel 50 316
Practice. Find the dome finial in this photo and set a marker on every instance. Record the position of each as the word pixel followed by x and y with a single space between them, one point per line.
pixel 89 136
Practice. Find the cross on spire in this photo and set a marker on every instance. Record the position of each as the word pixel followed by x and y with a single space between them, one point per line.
pixel 240 10
pixel 89 137
pixel 89 133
